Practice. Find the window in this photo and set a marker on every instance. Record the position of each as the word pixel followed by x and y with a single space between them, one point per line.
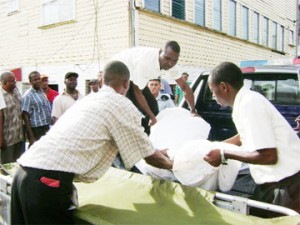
pixel 282 38
pixel 153 5
pixel 291 37
pixel 265 39
pixel 178 9
pixel 277 88
pixel 256 28
pixel 245 23
pixel 13 6
pixel 232 18
pixel 200 12
pixel 55 11
pixel 217 15
pixel 274 35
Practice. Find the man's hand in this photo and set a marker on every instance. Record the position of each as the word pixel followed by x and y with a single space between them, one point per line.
pixel 213 157
pixel 152 120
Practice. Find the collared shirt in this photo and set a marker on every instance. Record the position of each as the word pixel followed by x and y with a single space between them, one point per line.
pixel 13 123
pixel 143 65
pixel 261 126
pixel 87 138
pixel 2 102
pixel 164 101
pixel 63 102
pixel 36 104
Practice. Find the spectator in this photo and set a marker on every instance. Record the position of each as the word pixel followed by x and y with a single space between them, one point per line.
pixel 146 63
pixel 50 93
pixel 11 126
pixel 2 106
pixel 36 109
pixel 163 100
pixel 94 85
pixel 178 92
pixel 165 88
pixel 100 78
pixel 69 96
pixel 269 145
pixel 81 145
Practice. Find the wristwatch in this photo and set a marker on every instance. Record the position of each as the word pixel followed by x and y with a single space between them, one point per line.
pixel 223 159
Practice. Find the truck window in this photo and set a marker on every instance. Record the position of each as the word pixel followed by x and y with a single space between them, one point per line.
pixel 281 88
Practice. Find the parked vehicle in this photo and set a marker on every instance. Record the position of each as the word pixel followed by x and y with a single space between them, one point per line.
pixel 279 84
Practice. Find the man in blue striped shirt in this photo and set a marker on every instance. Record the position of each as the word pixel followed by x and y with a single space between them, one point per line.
pixel 36 109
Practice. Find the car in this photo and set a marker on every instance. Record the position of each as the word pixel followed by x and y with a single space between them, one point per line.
pixel 279 84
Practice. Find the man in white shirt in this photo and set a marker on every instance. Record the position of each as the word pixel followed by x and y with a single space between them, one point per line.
pixel 269 144
pixel 66 99
pixel 81 145
pixel 147 63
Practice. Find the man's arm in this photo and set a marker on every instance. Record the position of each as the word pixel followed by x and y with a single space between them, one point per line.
pixel 143 103
pixel 267 156
pixel 26 118
pixel 188 94
pixel 235 140
pixel 160 160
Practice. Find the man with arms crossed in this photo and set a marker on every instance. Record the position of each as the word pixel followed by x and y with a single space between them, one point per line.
pixel 268 143
pixel 81 145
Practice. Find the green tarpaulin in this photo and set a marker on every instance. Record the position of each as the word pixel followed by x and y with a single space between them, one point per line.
pixel 122 197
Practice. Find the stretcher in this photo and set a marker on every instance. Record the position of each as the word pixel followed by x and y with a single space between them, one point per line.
pixel 122 197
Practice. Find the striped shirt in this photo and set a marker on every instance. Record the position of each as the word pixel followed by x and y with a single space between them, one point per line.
pixel 13 123
pixel 88 136
pixel 36 104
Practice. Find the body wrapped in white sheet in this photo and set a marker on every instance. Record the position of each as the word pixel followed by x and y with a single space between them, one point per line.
pixel 185 137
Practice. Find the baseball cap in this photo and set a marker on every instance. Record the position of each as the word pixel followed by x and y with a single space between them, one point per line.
pixel 93 81
pixel 44 76
pixel 71 74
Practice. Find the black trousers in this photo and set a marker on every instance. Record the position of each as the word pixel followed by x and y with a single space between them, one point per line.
pixel 285 192
pixel 12 153
pixel 40 131
pixel 151 102
pixel 41 197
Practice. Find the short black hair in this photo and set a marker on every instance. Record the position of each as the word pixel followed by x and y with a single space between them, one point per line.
pixel 173 45
pixel 115 72
pixel 227 72
pixel 32 73
pixel 155 79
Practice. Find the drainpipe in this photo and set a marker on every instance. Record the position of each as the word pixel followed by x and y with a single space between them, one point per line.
pixel 133 24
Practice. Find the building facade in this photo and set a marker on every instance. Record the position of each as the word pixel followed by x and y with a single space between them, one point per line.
pixel 57 36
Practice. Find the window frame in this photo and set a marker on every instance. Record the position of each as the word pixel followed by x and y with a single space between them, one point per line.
pixel 265 38
pixel 57 11
pixel 218 18
pixel 201 10
pixel 150 6
pixel 256 27
pixel 13 6
pixel 245 28
pixel 232 20
pixel 178 3
pixel 274 35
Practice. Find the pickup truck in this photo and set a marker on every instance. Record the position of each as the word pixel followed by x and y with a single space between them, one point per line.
pixel 279 84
